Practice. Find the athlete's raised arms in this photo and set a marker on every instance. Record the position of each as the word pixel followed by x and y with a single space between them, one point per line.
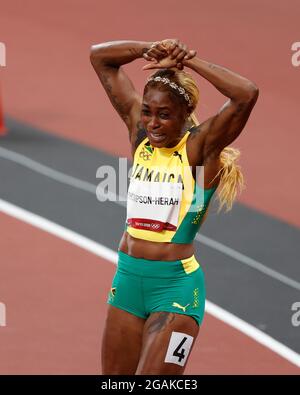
pixel 209 138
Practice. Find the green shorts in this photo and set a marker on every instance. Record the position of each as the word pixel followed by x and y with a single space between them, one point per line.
pixel 142 287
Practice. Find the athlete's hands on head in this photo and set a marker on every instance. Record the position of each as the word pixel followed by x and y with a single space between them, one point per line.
pixel 167 53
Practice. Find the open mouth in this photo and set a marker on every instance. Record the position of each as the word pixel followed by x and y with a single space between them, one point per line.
pixel 157 137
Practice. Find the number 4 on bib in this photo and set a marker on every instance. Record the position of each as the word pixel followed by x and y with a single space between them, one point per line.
pixel 179 348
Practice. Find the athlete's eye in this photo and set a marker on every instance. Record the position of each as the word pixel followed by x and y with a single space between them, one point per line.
pixel 145 112
pixel 164 116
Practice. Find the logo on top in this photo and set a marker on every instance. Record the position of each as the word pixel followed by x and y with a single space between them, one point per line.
pixel 146 152
pixel 176 153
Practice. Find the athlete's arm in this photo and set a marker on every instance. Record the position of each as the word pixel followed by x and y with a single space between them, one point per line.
pixel 107 59
pixel 223 128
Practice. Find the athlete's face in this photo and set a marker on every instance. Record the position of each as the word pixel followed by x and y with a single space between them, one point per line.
pixel 162 118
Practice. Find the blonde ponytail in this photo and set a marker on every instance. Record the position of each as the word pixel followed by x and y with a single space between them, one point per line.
pixel 231 178
pixel 193 119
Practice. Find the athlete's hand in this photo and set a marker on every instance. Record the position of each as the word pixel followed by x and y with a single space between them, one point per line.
pixel 157 51
pixel 175 49
pixel 164 63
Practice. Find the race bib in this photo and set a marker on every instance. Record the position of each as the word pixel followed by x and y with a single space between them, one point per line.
pixel 153 206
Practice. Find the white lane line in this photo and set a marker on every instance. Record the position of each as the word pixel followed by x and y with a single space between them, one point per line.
pixel 57 230
pixel 54 174
pixel 108 254
pixel 91 188
pixel 2 314
pixel 47 171
pixel 247 261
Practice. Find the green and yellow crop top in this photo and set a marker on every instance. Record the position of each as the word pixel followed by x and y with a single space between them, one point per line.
pixel 164 203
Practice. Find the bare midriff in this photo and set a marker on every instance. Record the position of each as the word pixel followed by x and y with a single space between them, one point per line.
pixel 145 249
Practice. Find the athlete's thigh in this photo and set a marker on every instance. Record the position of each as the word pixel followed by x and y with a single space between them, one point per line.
pixel 121 342
pixel 168 339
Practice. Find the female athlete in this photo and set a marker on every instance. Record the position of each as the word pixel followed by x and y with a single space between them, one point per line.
pixel 157 297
